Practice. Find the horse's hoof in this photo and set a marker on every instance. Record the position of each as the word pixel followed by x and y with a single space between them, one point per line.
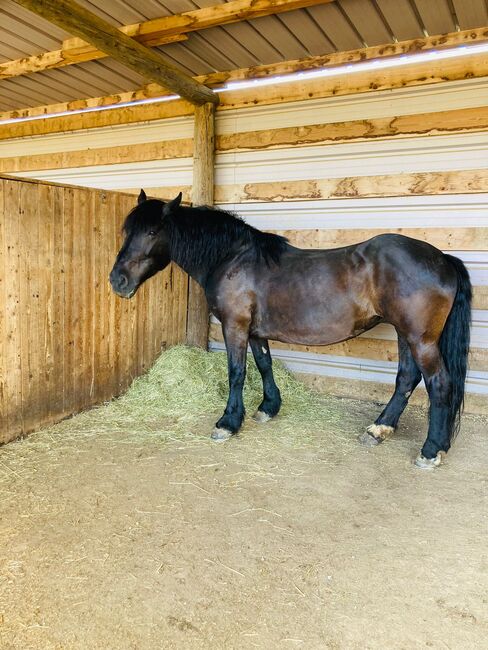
pixel 428 463
pixel 261 416
pixel 375 434
pixel 220 435
pixel 368 440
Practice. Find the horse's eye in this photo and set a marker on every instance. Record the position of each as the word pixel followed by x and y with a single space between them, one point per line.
pixel 152 233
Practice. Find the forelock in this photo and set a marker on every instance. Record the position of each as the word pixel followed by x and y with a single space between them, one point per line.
pixel 143 217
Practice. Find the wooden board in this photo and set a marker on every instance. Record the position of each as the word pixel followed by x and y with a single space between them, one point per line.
pixel 420 124
pixel 163 150
pixel 473 181
pixel 168 29
pixel 66 341
pixel 474 65
pixel 457 239
pixel 214 79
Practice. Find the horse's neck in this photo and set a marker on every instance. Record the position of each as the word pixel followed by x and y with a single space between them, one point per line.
pixel 197 263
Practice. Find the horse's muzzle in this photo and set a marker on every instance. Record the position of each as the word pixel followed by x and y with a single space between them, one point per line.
pixel 121 284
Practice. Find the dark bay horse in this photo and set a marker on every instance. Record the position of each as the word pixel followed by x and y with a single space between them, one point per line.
pixel 261 287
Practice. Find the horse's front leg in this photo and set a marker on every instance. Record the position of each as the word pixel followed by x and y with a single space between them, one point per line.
pixel 236 337
pixel 271 403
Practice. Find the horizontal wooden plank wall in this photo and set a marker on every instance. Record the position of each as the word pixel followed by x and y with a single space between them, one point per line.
pixel 66 341
pixel 325 172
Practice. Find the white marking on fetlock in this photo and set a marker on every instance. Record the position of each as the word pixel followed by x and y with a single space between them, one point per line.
pixel 380 431
pixel 261 416
pixel 428 463
pixel 220 435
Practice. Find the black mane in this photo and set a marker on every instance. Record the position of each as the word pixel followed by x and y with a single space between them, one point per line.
pixel 201 237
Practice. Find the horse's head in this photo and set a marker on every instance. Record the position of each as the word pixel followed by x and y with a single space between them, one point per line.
pixel 145 250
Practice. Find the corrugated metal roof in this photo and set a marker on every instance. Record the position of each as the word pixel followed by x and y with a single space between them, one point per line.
pixel 341 25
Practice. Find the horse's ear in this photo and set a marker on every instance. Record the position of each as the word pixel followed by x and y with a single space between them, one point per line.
pixel 142 197
pixel 172 205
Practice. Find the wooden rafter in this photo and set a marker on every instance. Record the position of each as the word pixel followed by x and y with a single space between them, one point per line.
pixel 263 71
pixel 151 33
pixel 75 19
pixel 61 58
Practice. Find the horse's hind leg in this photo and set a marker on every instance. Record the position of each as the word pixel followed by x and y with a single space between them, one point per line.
pixel 271 403
pixel 438 384
pixel 408 377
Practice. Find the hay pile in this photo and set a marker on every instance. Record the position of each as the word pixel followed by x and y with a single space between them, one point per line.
pixel 188 386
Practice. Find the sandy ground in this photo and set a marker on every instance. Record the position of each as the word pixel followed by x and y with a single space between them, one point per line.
pixel 119 541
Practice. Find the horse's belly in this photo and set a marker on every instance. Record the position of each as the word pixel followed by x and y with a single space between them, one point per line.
pixel 311 338
pixel 319 307
pixel 314 331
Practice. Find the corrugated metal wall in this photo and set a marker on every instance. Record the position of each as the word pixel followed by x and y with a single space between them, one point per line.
pixel 342 186
pixel 66 341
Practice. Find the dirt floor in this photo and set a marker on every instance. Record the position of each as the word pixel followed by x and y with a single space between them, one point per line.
pixel 122 541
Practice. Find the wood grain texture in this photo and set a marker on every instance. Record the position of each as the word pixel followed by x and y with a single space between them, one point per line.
pixel 99 33
pixel 202 194
pixel 12 261
pixel 159 31
pixel 3 321
pixel 66 341
pixel 164 150
pixel 360 81
pixel 356 81
pixel 418 124
pixel 473 181
pixel 480 297
pixel 62 58
pixel 460 239
pixel 96 119
pixel 219 78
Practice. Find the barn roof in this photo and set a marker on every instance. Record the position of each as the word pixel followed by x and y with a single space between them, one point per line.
pixel 333 26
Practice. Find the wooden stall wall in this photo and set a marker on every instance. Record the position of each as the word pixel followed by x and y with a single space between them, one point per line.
pixel 325 172
pixel 66 341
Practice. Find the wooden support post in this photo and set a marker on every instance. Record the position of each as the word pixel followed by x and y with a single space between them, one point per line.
pixel 202 194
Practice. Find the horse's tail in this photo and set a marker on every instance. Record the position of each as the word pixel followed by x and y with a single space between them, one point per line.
pixel 454 342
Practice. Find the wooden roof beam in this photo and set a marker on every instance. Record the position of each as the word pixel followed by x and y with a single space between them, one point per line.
pixel 151 33
pixel 77 20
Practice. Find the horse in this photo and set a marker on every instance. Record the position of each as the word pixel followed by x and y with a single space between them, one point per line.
pixel 261 287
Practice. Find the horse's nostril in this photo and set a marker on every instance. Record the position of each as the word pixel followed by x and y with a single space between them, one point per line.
pixel 118 280
pixel 123 281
